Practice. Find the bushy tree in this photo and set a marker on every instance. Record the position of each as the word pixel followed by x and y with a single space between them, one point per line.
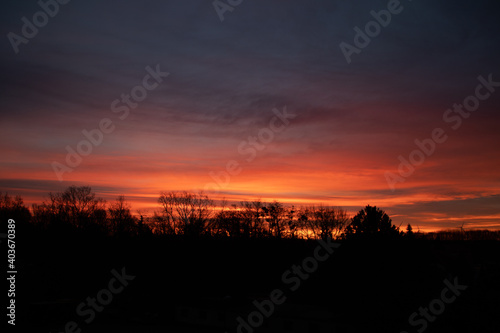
pixel 371 222
pixel 409 232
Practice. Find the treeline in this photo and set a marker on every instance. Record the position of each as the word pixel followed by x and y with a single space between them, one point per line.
pixel 184 213
pixel 78 209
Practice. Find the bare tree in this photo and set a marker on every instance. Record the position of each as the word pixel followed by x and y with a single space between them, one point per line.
pixel 167 220
pixel 323 221
pixel 122 221
pixel 227 223
pixel 76 206
pixel 292 223
pixel 188 213
pixel 275 216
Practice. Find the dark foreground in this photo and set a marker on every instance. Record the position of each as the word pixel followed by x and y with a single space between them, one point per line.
pixel 177 285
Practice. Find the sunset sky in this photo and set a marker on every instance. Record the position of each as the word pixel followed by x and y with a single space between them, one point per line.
pixel 347 123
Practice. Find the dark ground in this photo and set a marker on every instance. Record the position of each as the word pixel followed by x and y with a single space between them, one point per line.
pixel 362 287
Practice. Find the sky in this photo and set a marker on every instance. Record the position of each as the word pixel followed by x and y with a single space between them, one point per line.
pixel 305 102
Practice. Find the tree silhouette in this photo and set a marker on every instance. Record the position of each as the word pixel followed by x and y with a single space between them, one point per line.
pixel 188 213
pixel 227 223
pixel 409 232
pixel 324 222
pixel 122 221
pixel 76 207
pixel 371 222
pixel 14 208
pixel 195 214
pixel 275 216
